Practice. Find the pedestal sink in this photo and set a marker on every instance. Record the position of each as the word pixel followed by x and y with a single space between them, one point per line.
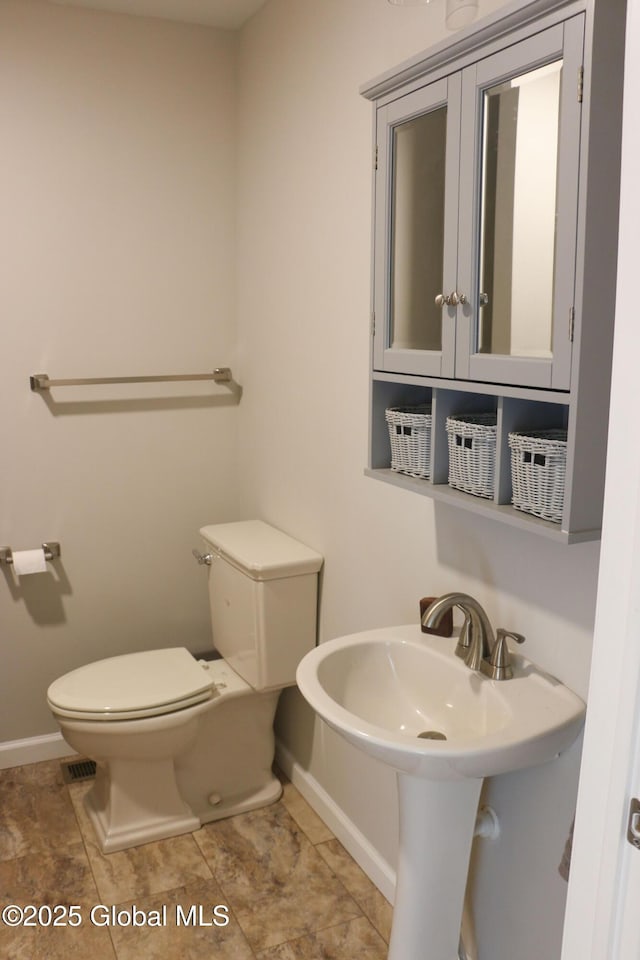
pixel 404 697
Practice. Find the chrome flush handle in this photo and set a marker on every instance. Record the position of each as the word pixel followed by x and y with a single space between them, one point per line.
pixel 202 557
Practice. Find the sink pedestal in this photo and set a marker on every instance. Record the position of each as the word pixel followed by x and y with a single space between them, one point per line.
pixel 437 822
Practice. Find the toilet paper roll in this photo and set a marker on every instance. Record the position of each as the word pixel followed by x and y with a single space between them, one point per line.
pixel 29 561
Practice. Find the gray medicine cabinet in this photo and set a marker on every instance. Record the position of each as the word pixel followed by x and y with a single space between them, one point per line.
pixel 496 182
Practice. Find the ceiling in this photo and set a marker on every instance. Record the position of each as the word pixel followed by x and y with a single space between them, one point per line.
pixel 226 14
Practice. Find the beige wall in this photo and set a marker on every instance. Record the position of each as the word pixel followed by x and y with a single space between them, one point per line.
pixel 117 192
pixel 304 240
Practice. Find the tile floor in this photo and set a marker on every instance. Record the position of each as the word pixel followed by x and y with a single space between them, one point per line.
pixel 289 889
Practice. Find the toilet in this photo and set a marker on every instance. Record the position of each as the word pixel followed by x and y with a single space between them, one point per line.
pixel 178 741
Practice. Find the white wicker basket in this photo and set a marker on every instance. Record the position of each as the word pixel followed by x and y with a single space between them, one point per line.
pixel 472 453
pixel 410 438
pixel 538 470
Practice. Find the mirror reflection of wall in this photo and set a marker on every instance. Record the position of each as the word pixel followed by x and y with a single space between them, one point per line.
pixel 419 148
pixel 518 214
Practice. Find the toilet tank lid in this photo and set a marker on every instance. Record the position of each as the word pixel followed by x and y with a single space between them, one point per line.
pixel 260 550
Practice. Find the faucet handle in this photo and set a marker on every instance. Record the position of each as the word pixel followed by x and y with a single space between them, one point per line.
pixel 464 637
pixel 499 664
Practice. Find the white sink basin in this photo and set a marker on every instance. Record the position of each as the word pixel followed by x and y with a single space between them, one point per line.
pixel 383 688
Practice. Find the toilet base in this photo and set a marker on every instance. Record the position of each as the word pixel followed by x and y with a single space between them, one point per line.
pixel 227 768
pixel 229 807
pixel 120 822
pixel 118 808
pixel 162 776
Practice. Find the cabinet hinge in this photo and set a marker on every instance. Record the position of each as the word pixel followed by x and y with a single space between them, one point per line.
pixel 572 320
pixel 373 324
pixel 375 158
pixel 580 83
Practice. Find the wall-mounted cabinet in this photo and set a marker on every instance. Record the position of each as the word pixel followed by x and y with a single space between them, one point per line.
pixel 495 229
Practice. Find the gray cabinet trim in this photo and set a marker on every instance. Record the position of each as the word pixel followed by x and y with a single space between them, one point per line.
pixel 507 25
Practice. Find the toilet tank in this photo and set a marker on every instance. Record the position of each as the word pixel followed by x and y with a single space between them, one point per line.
pixel 263 595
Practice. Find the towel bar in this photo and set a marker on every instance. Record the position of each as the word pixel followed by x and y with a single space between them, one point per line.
pixel 41 381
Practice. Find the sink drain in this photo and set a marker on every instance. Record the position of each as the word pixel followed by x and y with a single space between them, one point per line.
pixel 431 735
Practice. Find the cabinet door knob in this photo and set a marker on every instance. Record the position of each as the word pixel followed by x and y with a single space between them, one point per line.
pixel 455 298
pixel 452 300
pixel 483 299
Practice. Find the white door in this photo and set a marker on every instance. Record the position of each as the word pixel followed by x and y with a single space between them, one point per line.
pixel 602 918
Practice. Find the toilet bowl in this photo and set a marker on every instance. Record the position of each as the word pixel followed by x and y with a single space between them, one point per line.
pixel 177 741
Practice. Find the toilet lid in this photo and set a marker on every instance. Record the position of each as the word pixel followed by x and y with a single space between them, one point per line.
pixel 143 684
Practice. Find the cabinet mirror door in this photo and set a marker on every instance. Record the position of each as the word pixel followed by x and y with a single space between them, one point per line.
pixel 415 263
pixel 417 231
pixel 527 124
pixel 518 214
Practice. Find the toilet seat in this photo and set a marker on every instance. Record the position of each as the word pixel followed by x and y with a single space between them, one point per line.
pixel 132 686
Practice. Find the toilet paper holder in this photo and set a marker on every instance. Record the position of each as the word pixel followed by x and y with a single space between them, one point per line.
pixel 51 552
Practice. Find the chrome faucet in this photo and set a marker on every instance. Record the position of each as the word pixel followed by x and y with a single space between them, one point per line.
pixel 477 645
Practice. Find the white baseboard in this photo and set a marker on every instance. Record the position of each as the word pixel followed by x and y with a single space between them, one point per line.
pixel 362 851
pixel 17 753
